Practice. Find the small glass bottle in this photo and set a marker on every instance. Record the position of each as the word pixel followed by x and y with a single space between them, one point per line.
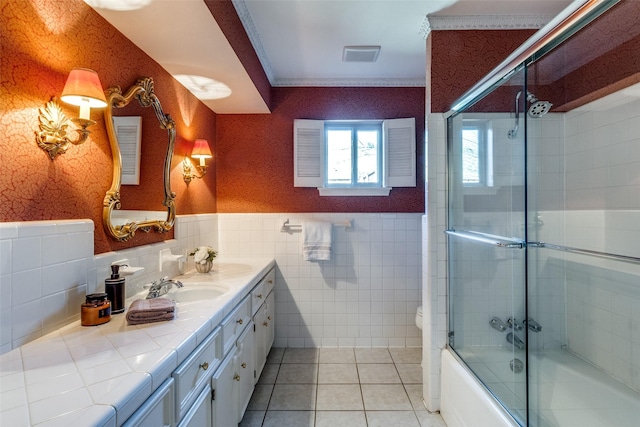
pixel 96 310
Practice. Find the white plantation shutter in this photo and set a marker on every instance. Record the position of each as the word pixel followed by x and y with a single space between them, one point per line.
pixel 129 133
pixel 308 153
pixel 400 152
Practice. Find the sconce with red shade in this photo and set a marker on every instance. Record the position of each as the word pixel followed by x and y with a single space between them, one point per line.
pixel 200 151
pixel 82 89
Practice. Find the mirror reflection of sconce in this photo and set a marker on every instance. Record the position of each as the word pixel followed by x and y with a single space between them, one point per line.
pixel 83 89
pixel 200 151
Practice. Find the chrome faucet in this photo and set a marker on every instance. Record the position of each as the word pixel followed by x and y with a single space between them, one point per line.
pixel 162 287
pixel 532 324
pixel 512 322
pixel 517 342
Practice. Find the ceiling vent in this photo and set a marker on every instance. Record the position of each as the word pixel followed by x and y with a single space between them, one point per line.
pixel 360 53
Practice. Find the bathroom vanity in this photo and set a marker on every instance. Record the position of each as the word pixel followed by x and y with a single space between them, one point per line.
pixel 196 370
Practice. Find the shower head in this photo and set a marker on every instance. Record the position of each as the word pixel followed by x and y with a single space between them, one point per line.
pixel 537 108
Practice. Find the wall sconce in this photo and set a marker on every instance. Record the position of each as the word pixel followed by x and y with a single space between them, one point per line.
pixel 200 151
pixel 83 89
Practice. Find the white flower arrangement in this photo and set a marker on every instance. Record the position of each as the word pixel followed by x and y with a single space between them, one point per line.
pixel 202 254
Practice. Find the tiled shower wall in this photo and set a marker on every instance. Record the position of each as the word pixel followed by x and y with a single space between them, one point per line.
pixel 365 296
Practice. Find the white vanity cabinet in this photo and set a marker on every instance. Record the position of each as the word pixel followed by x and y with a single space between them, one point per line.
pixel 195 372
pixel 232 383
pixel 263 316
pixel 213 385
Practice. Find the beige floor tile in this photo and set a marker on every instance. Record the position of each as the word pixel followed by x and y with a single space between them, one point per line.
pixel 275 355
pixel 337 355
pixel 337 374
pixel 373 355
pixel 406 355
pixel 385 397
pixel 339 397
pixel 392 418
pixel 415 396
pixel 293 397
pixel 427 419
pixel 252 419
pixel 297 373
pixel 300 355
pixel 410 373
pixel 289 419
pixel 260 397
pixel 378 373
pixel 341 419
pixel 269 373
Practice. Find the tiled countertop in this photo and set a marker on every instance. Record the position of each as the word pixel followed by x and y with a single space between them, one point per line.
pixel 99 375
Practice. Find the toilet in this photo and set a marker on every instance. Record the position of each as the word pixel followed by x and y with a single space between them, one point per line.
pixel 419 317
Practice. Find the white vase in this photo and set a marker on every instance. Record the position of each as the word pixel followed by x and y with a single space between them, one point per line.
pixel 204 268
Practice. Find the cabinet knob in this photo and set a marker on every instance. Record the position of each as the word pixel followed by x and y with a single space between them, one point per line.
pixel 239 321
pixel 236 377
pixel 271 282
pixel 266 323
pixel 204 366
pixel 244 365
pixel 259 296
pixel 268 317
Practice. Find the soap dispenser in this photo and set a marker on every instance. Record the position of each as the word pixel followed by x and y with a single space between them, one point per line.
pixel 114 287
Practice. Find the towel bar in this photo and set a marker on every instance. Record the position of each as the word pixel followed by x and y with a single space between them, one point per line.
pixel 287 227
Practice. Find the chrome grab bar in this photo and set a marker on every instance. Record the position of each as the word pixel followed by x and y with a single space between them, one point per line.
pixel 615 257
pixel 491 239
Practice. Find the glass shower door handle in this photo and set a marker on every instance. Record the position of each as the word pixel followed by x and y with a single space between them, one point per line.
pixel 489 239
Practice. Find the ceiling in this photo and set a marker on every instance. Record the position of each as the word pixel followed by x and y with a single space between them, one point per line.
pixel 300 42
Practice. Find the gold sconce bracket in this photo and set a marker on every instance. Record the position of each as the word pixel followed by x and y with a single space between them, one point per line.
pixel 187 173
pixel 54 124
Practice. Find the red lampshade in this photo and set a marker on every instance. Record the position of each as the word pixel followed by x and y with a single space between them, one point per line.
pixel 83 85
pixel 201 149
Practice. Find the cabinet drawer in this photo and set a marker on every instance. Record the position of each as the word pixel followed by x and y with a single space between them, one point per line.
pixel 157 410
pixel 200 413
pixel 261 290
pixel 233 325
pixel 192 375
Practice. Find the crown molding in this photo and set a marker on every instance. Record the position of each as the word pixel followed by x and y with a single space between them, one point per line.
pixel 254 37
pixel 483 22
pixel 349 83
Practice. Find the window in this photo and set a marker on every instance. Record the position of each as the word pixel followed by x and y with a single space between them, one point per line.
pixel 353 155
pixel 354 158
pixel 477 147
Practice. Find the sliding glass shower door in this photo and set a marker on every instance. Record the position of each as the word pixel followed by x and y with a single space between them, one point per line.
pixel 487 235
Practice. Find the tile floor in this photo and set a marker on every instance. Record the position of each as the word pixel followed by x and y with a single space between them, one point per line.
pixel 345 387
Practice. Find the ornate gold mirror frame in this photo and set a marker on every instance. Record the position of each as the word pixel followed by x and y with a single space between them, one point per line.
pixel 143 92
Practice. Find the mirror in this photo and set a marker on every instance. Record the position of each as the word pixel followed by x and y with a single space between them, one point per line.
pixel 120 230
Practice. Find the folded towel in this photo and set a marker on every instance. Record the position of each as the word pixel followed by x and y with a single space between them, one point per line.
pixel 316 240
pixel 150 311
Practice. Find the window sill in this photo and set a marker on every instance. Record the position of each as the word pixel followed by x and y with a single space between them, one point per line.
pixel 378 191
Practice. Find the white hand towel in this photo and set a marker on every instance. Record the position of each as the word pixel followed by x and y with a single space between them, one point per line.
pixel 316 240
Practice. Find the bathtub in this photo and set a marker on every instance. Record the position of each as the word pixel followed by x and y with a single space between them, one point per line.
pixel 564 391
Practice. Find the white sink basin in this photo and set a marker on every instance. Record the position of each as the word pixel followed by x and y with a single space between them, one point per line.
pixel 196 293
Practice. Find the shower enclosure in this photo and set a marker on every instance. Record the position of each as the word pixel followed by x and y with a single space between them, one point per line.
pixel 544 223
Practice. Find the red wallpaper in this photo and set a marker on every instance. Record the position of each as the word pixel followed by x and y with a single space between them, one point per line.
pixel 255 152
pixel 41 41
pixel 461 58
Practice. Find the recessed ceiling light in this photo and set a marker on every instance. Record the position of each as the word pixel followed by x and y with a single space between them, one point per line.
pixel 360 53
pixel 204 88
pixel 118 4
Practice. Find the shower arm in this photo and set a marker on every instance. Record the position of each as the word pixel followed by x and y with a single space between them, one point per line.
pixel 514 132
